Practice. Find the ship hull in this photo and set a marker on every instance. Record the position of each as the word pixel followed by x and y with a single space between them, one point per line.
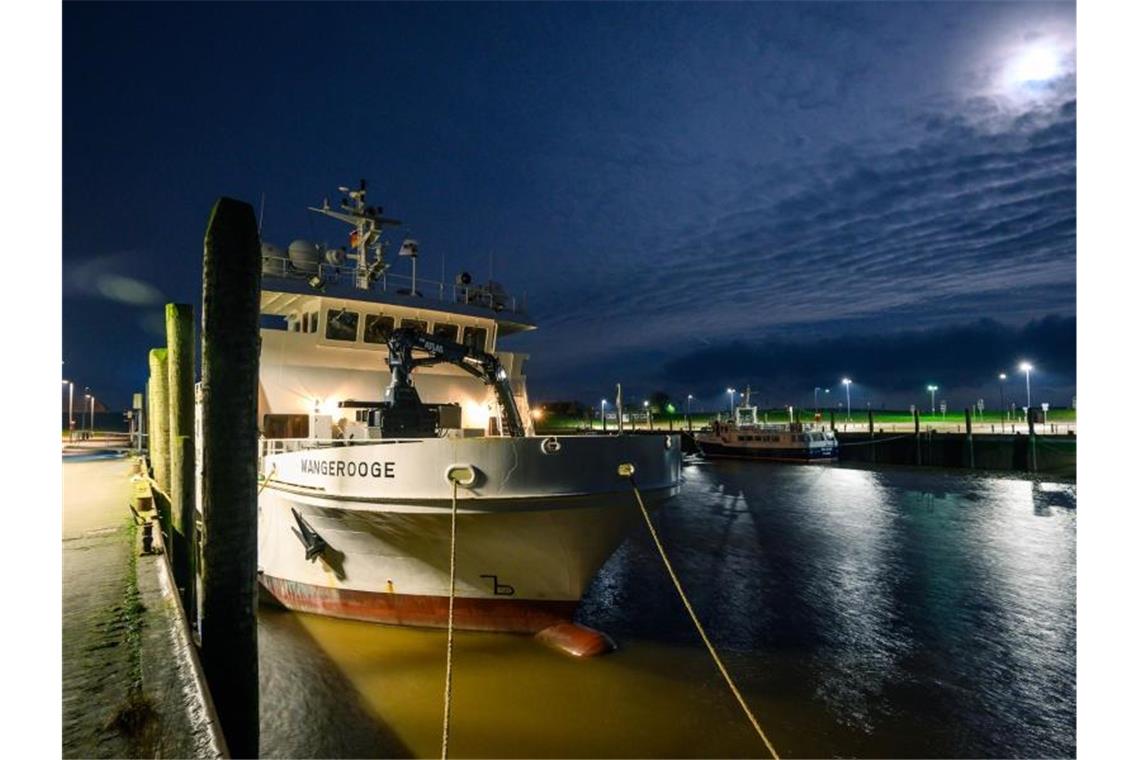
pixel 525 553
pixel 798 455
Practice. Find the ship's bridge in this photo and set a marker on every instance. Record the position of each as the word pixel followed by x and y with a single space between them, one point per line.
pixel 324 341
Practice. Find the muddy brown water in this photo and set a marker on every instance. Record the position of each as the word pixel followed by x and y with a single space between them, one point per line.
pixel 864 613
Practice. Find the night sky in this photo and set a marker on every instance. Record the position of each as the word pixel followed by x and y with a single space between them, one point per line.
pixel 691 196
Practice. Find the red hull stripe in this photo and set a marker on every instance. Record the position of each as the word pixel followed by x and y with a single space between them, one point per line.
pixel 505 614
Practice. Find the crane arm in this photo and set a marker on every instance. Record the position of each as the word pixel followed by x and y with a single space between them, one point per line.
pixel 480 364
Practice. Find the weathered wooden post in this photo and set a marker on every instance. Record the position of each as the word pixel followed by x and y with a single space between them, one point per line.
pixel 917 440
pixel 970 436
pixel 231 292
pixel 180 366
pixel 1032 441
pixel 871 428
pixel 158 448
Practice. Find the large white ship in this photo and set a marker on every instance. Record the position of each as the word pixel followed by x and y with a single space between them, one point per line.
pixel 376 392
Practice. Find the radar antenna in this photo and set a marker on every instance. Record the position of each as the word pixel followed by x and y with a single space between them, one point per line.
pixel 368 222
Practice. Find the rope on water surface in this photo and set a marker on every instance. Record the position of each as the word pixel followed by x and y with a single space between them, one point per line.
pixel 450 626
pixel 627 471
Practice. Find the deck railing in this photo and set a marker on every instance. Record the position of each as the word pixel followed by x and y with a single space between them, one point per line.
pixel 397 284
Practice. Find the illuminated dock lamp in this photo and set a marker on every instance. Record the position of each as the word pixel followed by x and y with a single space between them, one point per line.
pixel 1026 367
pixel 932 389
pixel 847 384
pixel 537 414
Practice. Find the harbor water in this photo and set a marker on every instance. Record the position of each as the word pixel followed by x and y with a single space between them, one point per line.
pixel 893 612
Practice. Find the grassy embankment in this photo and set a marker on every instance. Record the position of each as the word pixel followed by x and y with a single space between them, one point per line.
pixel 560 423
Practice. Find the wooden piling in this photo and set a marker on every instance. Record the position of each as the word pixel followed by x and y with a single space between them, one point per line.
pixel 180 367
pixel 970 436
pixel 871 430
pixel 158 443
pixel 1032 458
pixel 917 440
pixel 231 274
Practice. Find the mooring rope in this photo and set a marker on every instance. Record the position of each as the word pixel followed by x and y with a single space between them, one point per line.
pixel 450 625
pixel 266 479
pixel 873 441
pixel 627 471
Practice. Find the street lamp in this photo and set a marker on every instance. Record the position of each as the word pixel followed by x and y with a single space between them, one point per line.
pixel 92 428
pixel 847 383
pixel 603 415
pixel 1026 367
pixel 648 415
pixel 932 389
pixel 1001 376
pixel 731 400
pixel 70 409
pixel 83 411
pixel 817 399
pixel 688 412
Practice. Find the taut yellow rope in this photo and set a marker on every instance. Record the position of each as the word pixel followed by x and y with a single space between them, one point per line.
pixel 450 625
pixel 627 471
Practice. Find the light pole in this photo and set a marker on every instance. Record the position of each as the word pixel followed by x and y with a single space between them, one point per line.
pixel 731 401
pixel 1001 376
pixel 603 415
pixel 648 415
pixel 932 389
pixel 70 409
pixel 83 411
pixel 688 412
pixel 847 384
pixel 92 428
pixel 1026 367
pixel 817 399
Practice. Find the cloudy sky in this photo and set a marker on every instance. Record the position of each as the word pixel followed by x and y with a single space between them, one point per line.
pixel 691 196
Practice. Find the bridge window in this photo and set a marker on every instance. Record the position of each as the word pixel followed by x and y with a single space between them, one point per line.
pixel 415 324
pixel 445 331
pixel 341 324
pixel 377 328
pixel 475 337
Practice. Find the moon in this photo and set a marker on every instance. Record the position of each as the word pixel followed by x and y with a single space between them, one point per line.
pixel 1035 64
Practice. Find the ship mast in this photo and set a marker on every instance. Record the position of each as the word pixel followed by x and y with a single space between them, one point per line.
pixel 367 222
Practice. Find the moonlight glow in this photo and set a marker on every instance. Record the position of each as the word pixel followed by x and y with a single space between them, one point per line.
pixel 1037 64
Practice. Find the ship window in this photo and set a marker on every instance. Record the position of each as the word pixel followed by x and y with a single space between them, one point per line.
pixel 377 328
pixel 445 331
pixel 415 324
pixel 341 324
pixel 275 322
pixel 475 337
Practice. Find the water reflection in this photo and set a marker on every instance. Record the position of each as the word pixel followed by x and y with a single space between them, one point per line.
pixel 863 612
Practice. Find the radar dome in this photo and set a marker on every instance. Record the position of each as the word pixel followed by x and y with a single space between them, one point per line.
pixel 303 255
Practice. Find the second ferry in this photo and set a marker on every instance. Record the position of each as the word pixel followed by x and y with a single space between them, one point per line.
pixel 745 437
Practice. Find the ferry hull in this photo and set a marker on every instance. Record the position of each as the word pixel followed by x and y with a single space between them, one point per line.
pixel 815 455
pixel 523 560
